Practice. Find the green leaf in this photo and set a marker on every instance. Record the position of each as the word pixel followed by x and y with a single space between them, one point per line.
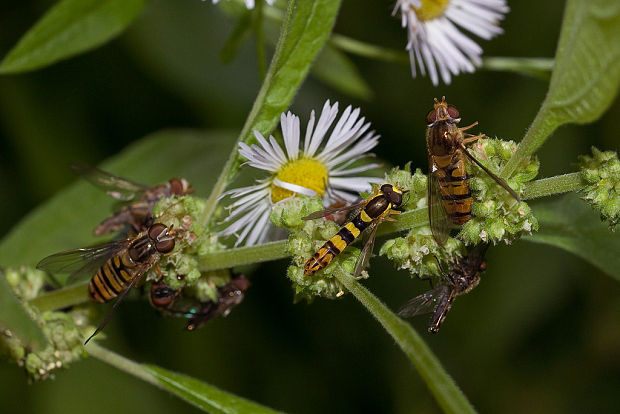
pixel 68 28
pixel 338 71
pixel 446 392
pixel 570 224
pixel 66 221
pixel 586 75
pixel 305 30
pixel 15 318
pixel 204 396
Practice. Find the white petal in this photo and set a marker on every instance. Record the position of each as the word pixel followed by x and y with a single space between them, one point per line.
pixel 294 188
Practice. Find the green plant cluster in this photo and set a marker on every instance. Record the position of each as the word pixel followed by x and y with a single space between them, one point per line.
pixel 497 215
pixel 64 330
pixel 417 252
pixel 306 237
pixel 602 173
pixel 181 270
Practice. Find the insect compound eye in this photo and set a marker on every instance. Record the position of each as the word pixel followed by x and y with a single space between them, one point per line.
pixel 483 266
pixel 453 112
pixel 386 188
pixel 162 295
pixel 155 230
pixel 164 246
pixel 176 187
pixel 431 116
pixel 395 198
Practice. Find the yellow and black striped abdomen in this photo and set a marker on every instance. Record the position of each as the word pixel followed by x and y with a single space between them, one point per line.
pixel 112 278
pixel 454 186
pixel 374 209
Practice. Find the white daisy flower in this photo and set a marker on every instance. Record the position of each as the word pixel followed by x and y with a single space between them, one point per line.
pixel 249 3
pixel 436 43
pixel 321 166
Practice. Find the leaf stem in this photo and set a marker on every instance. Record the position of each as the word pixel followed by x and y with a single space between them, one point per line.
pixel 61 298
pixel 121 363
pixel 260 39
pixel 554 185
pixel 448 395
pixel 224 259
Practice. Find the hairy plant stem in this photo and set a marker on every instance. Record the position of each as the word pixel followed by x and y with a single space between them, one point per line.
pixel 447 394
pixel 554 185
pixel 121 363
pixel 224 259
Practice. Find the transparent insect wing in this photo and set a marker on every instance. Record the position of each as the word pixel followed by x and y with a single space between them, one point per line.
pixel 498 180
pixel 437 214
pixel 366 253
pixel 83 263
pixel 424 303
pixel 117 187
pixel 328 211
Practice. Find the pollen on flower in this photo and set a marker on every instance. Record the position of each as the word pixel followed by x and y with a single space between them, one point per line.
pixel 304 172
pixel 431 9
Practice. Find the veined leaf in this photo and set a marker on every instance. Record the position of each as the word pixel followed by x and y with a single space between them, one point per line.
pixel 66 220
pixel 570 224
pixel 203 395
pixel 586 75
pixel 15 318
pixel 69 28
pixel 304 32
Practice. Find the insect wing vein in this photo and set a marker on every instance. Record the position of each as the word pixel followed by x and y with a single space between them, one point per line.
pixel 424 303
pixel 328 211
pixel 117 187
pixel 437 214
pixel 81 263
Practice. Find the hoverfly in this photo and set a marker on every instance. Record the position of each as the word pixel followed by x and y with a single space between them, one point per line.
pixel 462 278
pixel 115 267
pixel 171 302
pixel 449 198
pixel 139 199
pixel 373 211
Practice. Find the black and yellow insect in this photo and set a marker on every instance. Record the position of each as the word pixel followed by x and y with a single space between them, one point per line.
pixel 115 267
pixel 373 211
pixel 462 278
pixel 449 197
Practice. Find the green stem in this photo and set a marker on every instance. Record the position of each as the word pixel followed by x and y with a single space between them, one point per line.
pixel 239 256
pixel 62 298
pixel 121 363
pixel 367 50
pixel 554 185
pixel 225 259
pixel 448 395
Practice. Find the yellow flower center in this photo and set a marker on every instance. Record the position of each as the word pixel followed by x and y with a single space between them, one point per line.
pixel 305 172
pixel 431 9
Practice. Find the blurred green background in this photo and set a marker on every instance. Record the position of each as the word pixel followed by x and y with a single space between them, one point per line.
pixel 540 334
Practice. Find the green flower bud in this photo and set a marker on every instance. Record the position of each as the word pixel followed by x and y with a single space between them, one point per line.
pixel 288 213
pixel 601 172
pixel 497 215
pixel 418 252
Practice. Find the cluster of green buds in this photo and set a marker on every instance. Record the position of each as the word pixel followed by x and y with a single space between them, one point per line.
pixel 194 241
pixel 306 237
pixel 64 331
pixel 417 252
pixel 601 172
pixel 497 215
